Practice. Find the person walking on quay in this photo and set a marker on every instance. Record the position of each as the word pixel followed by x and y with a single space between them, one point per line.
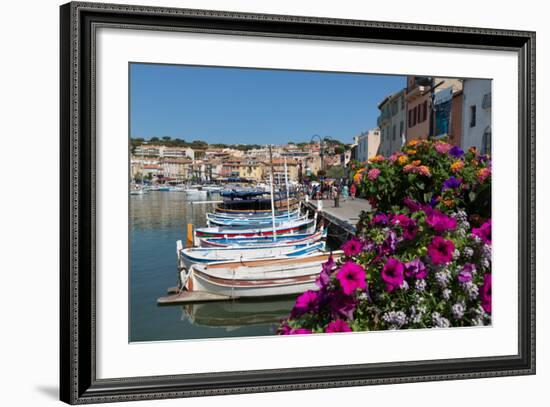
pixel 353 191
pixel 345 192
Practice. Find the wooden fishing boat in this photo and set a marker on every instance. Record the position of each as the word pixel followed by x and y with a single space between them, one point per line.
pixel 255 216
pixel 194 255
pixel 256 278
pixel 293 226
pixel 291 239
pixel 252 223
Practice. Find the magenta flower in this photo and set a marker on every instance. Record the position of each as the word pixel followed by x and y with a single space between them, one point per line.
pixel 408 226
pixel 351 277
pixel 466 273
pixel 323 279
pixel 485 293
pixel 389 245
pixel 341 306
pixel 392 274
pixel 483 232
pixel 440 222
pixel 300 331
pixel 337 326
pixel 306 302
pixel 441 250
pixel 416 269
pixel 352 247
pixel 412 204
pixel 373 174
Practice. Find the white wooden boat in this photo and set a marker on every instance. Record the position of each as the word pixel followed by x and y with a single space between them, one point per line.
pixel 280 215
pixel 252 223
pixel 194 255
pixel 256 278
pixel 293 226
pixel 136 189
pixel 309 236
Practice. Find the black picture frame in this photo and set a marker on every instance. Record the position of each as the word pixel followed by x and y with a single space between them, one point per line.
pixel 78 382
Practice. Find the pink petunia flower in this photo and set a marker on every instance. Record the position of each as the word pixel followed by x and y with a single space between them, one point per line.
pixel 440 222
pixel 485 293
pixel 300 331
pixel 483 232
pixel 352 247
pixel 337 326
pixel 441 250
pixel 306 302
pixel 392 274
pixel 351 277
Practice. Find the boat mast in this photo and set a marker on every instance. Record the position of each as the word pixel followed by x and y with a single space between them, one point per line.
pixel 287 196
pixel 272 200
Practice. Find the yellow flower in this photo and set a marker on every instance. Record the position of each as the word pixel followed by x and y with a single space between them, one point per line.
pixel 402 160
pixel 412 143
pixel 416 163
pixel 377 158
pixel 457 166
pixel 412 152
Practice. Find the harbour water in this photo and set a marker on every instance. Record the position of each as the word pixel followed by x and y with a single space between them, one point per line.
pixel 157 220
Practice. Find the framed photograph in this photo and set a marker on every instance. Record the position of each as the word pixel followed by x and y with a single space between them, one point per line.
pixel 255 203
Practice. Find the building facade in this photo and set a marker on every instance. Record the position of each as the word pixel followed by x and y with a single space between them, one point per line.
pixel 476 115
pixel 420 114
pixel 391 123
pixel 368 144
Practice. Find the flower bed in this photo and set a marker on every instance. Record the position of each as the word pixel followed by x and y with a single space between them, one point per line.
pixel 434 173
pixel 422 259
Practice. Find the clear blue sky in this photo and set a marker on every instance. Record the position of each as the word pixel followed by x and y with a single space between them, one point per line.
pixel 253 106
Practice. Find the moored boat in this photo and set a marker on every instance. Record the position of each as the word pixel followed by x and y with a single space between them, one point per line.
pixel 189 256
pixel 256 278
pixel 292 226
pixel 290 239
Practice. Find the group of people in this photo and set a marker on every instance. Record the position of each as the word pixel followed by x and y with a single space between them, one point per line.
pixel 332 190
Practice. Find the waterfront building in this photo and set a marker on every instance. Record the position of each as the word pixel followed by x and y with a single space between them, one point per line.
pixel 476 115
pixel 368 144
pixel 392 123
pixel 177 168
pixel 252 170
pixel 419 109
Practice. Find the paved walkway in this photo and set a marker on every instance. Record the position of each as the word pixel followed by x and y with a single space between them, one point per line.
pixel 346 215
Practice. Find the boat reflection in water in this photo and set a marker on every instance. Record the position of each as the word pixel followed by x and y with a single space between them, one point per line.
pixel 235 314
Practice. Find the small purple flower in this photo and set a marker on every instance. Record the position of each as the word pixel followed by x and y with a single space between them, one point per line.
pixel 390 244
pixel 341 306
pixel 392 274
pixel 451 183
pixel 380 219
pixel 407 224
pixel 323 279
pixel 352 247
pixel 416 269
pixel 456 152
pixel 434 201
pixel 411 204
pixel 337 326
pixel 351 277
pixel 466 273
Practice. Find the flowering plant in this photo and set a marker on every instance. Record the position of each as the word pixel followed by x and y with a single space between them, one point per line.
pixel 430 172
pixel 416 268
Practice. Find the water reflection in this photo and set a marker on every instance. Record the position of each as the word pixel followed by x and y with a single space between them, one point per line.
pixel 235 314
pixel 157 220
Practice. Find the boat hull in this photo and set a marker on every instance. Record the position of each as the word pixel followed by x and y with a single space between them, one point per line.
pixel 260 278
